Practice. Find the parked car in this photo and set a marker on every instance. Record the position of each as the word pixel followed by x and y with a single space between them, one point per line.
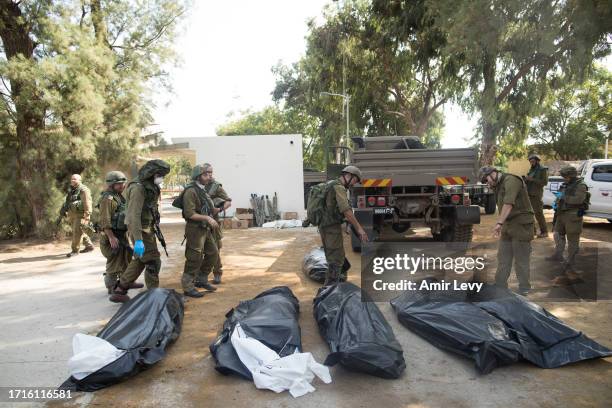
pixel 597 175
pixel 554 182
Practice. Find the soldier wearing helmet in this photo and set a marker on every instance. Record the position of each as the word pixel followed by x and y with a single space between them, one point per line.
pixel 141 214
pixel 114 244
pixel 514 226
pixel 536 179
pixel 571 203
pixel 201 252
pixel 78 208
pixel 337 209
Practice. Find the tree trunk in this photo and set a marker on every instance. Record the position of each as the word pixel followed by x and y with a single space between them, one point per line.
pixel 488 110
pixel 29 158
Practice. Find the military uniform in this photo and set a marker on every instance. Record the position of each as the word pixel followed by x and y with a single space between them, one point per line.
pixel 535 189
pixel 330 229
pixel 78 201
pixel 201 252
pixel 568 219
pixel 142 196
pixel 112 216
pixel 516 233
pixel 218 195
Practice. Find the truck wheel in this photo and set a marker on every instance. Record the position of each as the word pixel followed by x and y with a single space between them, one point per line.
pixel 490 205
pixel 458 233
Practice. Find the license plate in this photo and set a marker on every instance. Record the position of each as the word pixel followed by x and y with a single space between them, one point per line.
pixel 383 210
pixel 554 186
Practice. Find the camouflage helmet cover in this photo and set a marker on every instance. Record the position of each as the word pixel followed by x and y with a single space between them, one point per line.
pixel 153 167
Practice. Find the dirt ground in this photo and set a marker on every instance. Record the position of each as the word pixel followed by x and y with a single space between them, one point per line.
pixel 257 259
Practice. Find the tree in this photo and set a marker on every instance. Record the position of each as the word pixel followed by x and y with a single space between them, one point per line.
pixel 273 120
pixel 364 50
pixel 575 118
pixel 512 50
pixel 75 79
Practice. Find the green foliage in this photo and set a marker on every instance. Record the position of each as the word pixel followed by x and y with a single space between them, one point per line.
pixel 575 118
pixel 180 171
pixel 272 120
pixel 397 81
pixel 76 79
pixel 511 51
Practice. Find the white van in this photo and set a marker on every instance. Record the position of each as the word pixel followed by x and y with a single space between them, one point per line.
pixel 597 175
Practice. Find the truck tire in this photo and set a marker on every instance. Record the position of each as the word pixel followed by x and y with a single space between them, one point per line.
pixel 490 205
pixel 458 233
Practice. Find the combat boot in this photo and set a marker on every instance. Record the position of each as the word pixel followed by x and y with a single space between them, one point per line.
pixel 119 294
pixel 71 254
pixel 193 293
pixel 205 285
pixel 217 279
pixel 331 277
pixel 87 249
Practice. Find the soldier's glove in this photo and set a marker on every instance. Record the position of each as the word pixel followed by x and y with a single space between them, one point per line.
pixel 139 248
pixel 581 212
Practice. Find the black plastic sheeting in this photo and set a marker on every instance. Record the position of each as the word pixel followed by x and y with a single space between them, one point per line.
pixel 314 266
pixel 494 327
pixel 271 317
pixel 144 326
pixel 358 335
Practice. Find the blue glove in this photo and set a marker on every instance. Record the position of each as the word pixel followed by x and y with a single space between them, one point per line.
pixel 138 248
pixel 560 194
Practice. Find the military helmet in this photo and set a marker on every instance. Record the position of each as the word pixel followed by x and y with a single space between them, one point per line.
pixel 115 176
pixel 352 170
pixel 533 156
pixel 153 167
pixel 484 172
pixel 568 171
pixel 197 171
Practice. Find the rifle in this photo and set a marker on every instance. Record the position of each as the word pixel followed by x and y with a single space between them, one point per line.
pixel 157 230
pixel 62 213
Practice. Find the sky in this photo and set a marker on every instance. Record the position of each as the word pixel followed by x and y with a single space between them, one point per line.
pixel 227 51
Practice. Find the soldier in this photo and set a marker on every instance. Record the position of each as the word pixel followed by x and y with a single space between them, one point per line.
pixel 114 244
pixel 572 202
pixel 536 180
pixel 338 209
pixel 201 251
pixel 78 208
pixel 514 226
pixel 142 213
pixel 222 202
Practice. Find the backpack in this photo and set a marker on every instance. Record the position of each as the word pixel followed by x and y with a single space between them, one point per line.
pixel 317 202
pixel 178 201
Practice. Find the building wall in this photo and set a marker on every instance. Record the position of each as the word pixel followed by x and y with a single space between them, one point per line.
pixel 262 164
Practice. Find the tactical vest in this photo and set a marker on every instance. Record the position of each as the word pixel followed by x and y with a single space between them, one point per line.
pixel 212 188
pixel 73 198
pixel 570 190
pixel 206 202
pixel 331 214
pixel 118 217
pixel 532 187
pixel 149 212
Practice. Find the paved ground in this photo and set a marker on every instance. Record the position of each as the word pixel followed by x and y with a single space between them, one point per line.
pixel 45 299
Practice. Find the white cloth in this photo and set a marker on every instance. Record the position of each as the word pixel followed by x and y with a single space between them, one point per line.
pixel 91 353
pixel 281 224
pixel 294 372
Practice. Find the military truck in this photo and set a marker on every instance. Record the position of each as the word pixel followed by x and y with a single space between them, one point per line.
pixel 406 185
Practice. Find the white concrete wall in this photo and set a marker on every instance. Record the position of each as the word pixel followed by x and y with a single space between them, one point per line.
pixel 255 164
